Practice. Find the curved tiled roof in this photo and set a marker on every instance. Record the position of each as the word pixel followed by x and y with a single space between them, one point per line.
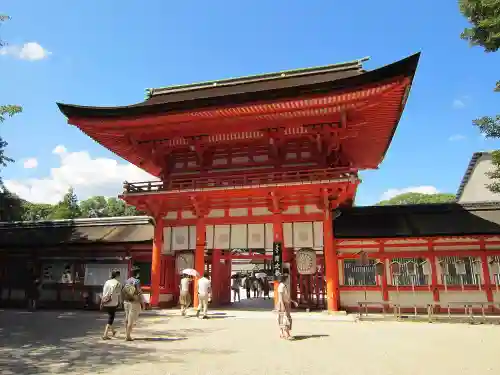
pixel 426 220
pixel 136 229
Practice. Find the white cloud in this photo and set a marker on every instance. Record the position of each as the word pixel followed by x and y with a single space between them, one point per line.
pixel 88 176
pixel 59 149
pixel 31 51
pixel 458 103
pixel 457 137
pixel 391 193
pixel 30 163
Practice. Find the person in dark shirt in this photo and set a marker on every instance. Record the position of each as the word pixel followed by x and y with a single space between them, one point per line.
pixel 33 291
pixel 248 286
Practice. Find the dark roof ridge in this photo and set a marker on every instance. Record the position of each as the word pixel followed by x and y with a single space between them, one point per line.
pixel 428 207
pixel 348 65
pixel 86 222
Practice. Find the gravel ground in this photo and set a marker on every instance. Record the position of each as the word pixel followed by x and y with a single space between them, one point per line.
pixel 235 342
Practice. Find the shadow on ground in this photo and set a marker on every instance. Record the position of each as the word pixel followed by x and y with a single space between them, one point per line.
pixel 64 342
pixel 306 337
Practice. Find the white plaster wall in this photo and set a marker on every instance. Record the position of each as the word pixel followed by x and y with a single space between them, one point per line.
pixel 409 299
pixel 459 296
pixel 351 298
pixel 166 297
pixel 475 190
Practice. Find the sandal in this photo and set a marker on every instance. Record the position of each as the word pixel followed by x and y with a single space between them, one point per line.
pixel 106 338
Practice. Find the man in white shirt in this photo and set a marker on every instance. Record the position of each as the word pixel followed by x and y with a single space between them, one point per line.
pixel 110 300
pixel 204 291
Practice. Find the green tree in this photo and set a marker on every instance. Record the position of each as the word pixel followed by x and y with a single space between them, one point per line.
pixel 484 17
pixel 11 206
pixel 68 208
pixel 100 206
pixel 36 211
pixel 417 198
pixel 5 111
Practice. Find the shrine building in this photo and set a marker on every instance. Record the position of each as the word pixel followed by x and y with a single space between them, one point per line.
pixel 261 163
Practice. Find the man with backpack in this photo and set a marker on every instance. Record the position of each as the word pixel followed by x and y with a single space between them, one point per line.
pixel 133 302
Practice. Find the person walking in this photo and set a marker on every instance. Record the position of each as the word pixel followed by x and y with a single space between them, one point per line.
pixel 133 303
pixel 235 286
pixel 33 290
pixel 185 295
pixel 265 287
pixel 110 300
pixel 255 286
pixel 204 292
pixel 248 285
pixel 284 308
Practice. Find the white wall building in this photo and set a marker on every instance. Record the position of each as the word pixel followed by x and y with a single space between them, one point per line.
pixel 473 187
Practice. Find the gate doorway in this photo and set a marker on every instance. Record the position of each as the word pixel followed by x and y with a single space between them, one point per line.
pixel 234 270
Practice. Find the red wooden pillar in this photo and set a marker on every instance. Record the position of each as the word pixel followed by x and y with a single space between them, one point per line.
pixel 331 263
pixel 216 277
pixel 199 254
pixel 383 278
pixel 156 263
pixel 434 276
pixel 486 273
pixel 277 237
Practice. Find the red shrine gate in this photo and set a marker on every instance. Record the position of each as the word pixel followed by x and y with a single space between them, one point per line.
pixel 275 150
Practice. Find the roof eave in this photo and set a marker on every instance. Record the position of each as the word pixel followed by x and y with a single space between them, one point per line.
pixel 405 67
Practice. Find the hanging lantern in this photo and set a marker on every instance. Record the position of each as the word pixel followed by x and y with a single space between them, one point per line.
pixel 363 258
pixel 460 268
pixel 306 261
pixel 477 267
pixel 379 268
pixel 410 267
pixel 426 268
pixel 183 260
pixel 395 268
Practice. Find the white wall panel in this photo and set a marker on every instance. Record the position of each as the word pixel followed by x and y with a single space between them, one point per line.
pixel 167 240
pixel 192 237
pixel 256 236
pixel 238 236
pixel 222 236
pixel 269 236
pixel 318 234
pixel 302 235
pixel 180 238
pixel 288 234
pixel 210 236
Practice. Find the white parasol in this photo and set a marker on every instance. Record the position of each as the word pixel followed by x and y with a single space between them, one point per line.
pixel 190 272
pixel 260 275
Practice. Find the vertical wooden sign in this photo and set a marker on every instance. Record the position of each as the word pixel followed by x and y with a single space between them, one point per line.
pixel 277 259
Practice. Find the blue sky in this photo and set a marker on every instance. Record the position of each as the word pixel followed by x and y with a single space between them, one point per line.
pixel 109 52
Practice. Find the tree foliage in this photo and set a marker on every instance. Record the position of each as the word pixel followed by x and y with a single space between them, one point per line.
pixel 484 17
pixel 67 208
pixel 417 198
pixel 100 206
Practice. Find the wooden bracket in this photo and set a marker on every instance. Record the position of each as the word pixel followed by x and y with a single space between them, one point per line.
pixel 276 206
pixel 200 206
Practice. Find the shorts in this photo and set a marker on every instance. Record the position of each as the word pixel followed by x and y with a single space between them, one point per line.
pixel 132 311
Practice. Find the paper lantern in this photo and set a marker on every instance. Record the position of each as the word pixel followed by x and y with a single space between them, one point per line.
pixel 395 268
pixel 426 268
pixel 306 261
pixel 379 269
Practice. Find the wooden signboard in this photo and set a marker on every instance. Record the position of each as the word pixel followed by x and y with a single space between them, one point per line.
pixel 277 259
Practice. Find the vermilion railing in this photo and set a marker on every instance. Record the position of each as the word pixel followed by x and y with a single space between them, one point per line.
pixel 250 179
